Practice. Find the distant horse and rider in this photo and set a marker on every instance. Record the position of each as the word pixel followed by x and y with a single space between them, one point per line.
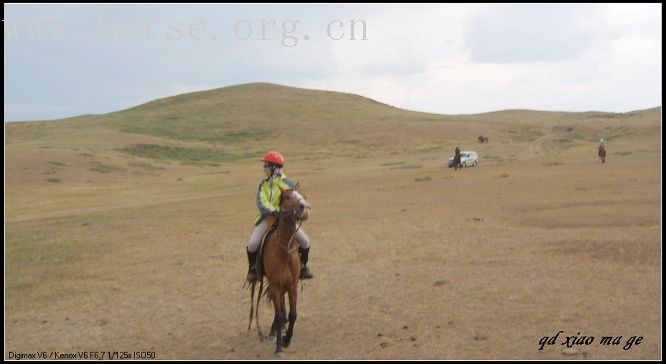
pixel 482 139
pixel 602 150
pixel 279 261
pixel 456 163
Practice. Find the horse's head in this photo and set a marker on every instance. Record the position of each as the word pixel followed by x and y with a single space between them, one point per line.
pixel 294 204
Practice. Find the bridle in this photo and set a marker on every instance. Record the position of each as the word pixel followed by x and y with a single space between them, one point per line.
pixel 294 215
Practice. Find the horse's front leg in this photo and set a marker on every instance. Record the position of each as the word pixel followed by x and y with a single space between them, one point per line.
pixel 284 311
pixel 274 327
pixel 284 318
pixel 293 293
pixel 278 320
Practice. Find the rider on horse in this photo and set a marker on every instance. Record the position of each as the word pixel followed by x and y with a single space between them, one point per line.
pixel 602 144
pixel 456 159
pixel 268 201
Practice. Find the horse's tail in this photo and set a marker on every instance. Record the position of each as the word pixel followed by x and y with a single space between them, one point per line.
pixel 261 288
pixel 269 296
pixel 252 287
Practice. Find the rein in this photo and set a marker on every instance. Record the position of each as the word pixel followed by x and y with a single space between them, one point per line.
pixel 289 251
pixel 291 239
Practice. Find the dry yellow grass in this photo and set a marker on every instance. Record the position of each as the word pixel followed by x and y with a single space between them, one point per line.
pixel 413 260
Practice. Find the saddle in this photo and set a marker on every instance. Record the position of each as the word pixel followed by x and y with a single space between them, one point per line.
pixel 270 229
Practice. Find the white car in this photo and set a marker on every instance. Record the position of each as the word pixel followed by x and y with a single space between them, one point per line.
pixel 468 158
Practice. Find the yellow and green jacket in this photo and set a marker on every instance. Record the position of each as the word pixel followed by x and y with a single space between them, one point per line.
pixel 269 193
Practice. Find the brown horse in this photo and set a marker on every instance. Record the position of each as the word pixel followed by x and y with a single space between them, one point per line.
pixel 602 154
pixel 282 265
pixel 482 139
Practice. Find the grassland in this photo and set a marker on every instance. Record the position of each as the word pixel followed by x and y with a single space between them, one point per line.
pixel 126 231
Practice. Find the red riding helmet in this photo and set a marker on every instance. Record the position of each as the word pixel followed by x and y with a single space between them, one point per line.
pixel 274 157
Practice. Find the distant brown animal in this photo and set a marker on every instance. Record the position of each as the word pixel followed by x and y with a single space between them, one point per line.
pixel 482 139
pixel 602 153
pixel 456 161
pixel 282 266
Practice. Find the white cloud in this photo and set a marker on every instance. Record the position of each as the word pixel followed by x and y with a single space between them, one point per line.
pixel 571 58
pixel 403 40
pixel 531 32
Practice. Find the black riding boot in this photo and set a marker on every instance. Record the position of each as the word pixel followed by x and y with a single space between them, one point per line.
pixel 252 260
pixel 305 271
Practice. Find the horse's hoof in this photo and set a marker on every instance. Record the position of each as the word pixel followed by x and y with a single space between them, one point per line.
pixel 280 355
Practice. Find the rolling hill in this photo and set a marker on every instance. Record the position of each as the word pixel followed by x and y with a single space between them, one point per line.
pixel 240 122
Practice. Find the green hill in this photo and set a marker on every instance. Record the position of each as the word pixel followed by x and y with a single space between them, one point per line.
pixel 242 121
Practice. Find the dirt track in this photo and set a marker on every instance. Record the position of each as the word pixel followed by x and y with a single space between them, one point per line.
pixel 536 147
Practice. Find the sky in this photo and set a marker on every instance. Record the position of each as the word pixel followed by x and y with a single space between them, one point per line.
pixel 69 60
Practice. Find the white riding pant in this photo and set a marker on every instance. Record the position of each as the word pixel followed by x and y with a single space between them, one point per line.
pixel 259 231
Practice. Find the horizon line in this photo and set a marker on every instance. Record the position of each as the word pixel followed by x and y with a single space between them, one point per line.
pixel 323 90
